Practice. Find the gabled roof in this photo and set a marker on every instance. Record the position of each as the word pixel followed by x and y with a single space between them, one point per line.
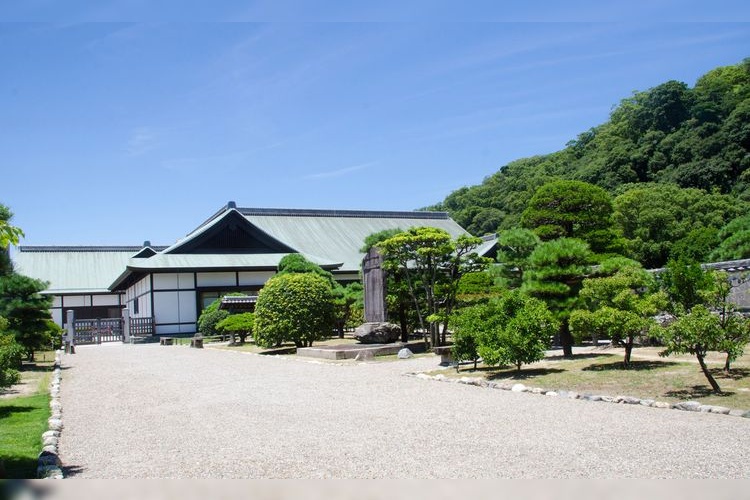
pixel 339 234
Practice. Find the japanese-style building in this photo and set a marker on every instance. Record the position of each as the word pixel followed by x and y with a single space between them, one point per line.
pixel 235 250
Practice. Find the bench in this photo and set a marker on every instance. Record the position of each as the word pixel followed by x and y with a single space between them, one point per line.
pixel 446 359
pixel 166 341
pixel 196 342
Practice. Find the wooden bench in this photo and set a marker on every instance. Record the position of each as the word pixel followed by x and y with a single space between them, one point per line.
pixel 446 359
pixel 166 341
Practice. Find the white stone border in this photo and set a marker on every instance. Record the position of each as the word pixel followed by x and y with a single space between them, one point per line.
pixel 683 405
pixel 49 465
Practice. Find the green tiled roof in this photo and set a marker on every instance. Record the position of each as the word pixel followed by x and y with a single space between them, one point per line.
pixel 73 269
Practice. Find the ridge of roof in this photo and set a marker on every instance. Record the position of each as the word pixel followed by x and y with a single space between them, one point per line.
pixel 372 214
pixel 85 248
pixel 311 212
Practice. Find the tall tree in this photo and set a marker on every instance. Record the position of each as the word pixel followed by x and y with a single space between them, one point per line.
pixel 514 248
pixel 27 311
pixel 573 209
pixel 556 271
pixel 428 257
pixel 621 306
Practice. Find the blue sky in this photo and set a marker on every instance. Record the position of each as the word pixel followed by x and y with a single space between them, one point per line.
pixel 114 133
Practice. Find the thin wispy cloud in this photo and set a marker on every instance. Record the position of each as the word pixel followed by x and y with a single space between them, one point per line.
pixel 142 140
pixel 340 172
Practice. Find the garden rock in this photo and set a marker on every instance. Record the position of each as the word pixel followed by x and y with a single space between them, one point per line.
pixel 550 393
pixel 405 353
pixel 629 400
pixel 688 405
pixel 377 333
pixel 518 388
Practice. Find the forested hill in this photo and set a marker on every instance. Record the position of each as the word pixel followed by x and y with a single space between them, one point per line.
pixel 695 137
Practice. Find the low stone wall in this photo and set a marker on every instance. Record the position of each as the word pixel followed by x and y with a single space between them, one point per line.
pixel 682 405
pixel 49 465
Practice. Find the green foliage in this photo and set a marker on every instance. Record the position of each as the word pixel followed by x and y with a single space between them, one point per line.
pixel 10 356
pixel 347 300
pixel 734 240
pixel 293 307
pixel 297 263
pixel 513 329
pixel 237 324
pixel 697 333
pixel 620 306
pixel 653 217
pixel 671 134
pixel 514 249
pixel 556 270
pixel 735 327
pixel 375 238
pixel 573 209
pixel 27 311
pixel 9 235
pixel 210 318
pixel 685 284
pixel 428 258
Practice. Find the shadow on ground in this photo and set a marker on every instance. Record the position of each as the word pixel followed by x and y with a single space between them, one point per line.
pixel 734 373
pixel 523 374
pixel 696 392
pixel 634 365
pixel 588 355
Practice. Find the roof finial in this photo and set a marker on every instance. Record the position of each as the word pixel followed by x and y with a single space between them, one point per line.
pixel 146 243
pixel 231 205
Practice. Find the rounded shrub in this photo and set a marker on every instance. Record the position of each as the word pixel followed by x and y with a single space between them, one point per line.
pixel 295 308
pixel 237 324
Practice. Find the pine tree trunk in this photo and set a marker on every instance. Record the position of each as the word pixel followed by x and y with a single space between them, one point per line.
pixel 708 375
pixel 727 363
pixel 566 339
pixel 402 322
pixel 628 351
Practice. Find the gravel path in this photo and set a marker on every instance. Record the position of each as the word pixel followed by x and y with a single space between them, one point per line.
pixel 148 411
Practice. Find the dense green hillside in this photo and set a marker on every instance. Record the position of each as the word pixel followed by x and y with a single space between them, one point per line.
pixel 689 137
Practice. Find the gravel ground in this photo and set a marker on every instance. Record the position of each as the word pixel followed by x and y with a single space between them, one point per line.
pixel 149 411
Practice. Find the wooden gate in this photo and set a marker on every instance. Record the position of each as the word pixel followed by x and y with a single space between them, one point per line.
pixel 96 331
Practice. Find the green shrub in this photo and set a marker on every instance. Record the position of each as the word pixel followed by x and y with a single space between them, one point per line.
pixel 11 354
pixel 293 307
pixel 237 324
pixel 210 317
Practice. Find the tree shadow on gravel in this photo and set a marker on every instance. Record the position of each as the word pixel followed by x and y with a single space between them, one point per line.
pixel 634 366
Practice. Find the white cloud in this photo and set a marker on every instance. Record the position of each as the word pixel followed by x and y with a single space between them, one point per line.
pixel 340 172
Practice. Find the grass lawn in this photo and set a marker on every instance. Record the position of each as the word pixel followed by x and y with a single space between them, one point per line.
pixel 600 371
pixel 23 419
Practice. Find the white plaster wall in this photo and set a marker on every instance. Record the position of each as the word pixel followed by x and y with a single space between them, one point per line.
pixel 74 301
pixel 166 329
pixel 255 278
pixel 216 279
pixel 105 300
pixel 165 281
pixel 188 312
pixel 174 307
pixel 166 307
pixel 56 301
pixel 185 281
pixel 57 316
